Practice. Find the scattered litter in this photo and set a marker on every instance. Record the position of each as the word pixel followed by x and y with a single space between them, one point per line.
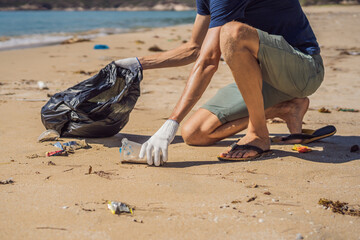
pixel 253 186
pixel 252 199
pixel 324 110
pixel 155 48
pixel 68 147
pixel 301 149
pixel 48 177
pixel 8 181
pixel 101 47
pixel 267 193
pixel 352 53
pixel 88 210
pixel 137 221
pixel 51 163
pixel 90 170
pixel 119 208
pixel 225 206
pixel 347 109
pixel 65 207
pixel 83 144
pixel 58 145
pixel 42 85
pixel 299 236
pixel 139 42
pixel 236 201
pixel 68 170
pixel 339 207
pixel 75 40
pixel 75 145
pixel 56 153
pixel 354 148
pixel 49 135
pixel 261 220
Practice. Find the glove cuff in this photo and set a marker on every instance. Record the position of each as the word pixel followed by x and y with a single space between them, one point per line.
pixel 129 63
pixel 169 128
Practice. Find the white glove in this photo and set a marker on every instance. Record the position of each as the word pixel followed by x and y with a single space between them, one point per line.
pixel 159 142
pixel 129 63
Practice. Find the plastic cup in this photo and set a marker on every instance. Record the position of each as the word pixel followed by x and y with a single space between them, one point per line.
pixel 129 152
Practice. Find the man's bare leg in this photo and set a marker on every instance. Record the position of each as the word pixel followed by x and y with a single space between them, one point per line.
pixel 203 128
pixel 239 45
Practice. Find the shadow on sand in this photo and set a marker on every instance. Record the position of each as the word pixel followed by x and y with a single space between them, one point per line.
pixel 335 149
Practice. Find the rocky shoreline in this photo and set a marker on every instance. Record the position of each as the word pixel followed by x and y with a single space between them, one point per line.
pixel 157 7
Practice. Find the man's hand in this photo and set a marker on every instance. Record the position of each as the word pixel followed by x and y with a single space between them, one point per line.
pixel 159 142
pixel 129 63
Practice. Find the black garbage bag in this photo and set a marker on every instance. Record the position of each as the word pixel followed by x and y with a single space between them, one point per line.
pixel 97 107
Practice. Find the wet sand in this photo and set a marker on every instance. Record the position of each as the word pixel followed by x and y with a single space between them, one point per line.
pixel 194 196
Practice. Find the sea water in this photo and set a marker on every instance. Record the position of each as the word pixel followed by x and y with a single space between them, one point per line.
pixel 19 29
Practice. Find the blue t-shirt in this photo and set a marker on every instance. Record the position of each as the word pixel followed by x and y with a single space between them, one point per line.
pixel 279 17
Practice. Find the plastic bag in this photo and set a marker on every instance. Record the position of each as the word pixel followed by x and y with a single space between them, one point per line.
pixel 97 107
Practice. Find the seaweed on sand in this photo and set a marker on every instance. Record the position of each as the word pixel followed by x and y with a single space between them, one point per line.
pixel 339 207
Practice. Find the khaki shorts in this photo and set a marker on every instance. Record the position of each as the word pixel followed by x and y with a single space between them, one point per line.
pixel 287 74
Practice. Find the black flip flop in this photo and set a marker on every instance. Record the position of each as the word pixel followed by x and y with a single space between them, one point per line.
pixel 235 147
pixel 308 135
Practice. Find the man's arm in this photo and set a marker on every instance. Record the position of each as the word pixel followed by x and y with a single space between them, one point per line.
pixel 185 53
pixel 200 76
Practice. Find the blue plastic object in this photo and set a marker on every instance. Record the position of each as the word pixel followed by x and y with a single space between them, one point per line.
pixel 101 47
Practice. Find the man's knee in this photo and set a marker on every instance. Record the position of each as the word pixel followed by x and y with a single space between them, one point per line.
pixel 235 31
pixel 193 135
pixel 236 37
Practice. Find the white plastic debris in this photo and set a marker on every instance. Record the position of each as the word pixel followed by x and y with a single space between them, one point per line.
pixel 42 85
pixel 299 236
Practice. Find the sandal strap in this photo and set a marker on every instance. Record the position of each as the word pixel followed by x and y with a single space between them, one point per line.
pixel 234 143
pixel 246 147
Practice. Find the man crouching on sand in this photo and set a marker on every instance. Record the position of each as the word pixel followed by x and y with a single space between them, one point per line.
pixel 274 58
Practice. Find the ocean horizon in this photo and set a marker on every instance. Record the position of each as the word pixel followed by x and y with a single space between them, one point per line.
pixel 24 29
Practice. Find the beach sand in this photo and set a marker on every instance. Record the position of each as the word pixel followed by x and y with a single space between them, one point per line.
pixel 194 196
